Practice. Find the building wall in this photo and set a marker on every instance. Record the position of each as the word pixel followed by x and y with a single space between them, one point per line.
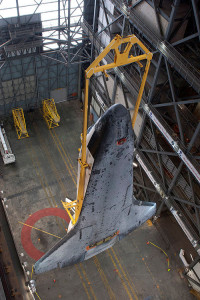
pixel 26 81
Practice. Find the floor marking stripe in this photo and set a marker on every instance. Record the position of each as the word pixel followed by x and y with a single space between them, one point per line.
pixel 124 273
pixel 65 154
pixel 104 278
pixel 59 180
pixel 83 283
pixel 43 181
pixel 53 167
pixel 73 179
pixel 63 158
pixel 86 277
pixel 72 168
pixel 26 241
pixel 120 276
pixel 40 230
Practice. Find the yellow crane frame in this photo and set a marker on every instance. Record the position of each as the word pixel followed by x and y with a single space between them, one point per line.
pixel 50 113
pixel 121 58
pixel 19 122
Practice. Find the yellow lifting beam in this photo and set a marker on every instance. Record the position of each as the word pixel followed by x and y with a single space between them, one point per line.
pixel 50 113
pixel 121 58
pixel 19 122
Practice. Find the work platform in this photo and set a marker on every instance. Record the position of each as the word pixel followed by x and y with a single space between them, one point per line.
pixel 44 174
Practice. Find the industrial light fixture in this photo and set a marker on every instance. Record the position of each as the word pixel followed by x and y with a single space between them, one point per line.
pixel 135 165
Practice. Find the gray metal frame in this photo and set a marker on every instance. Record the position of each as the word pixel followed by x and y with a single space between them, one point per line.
pixel 168 141
pixel 54 53
pixel 169 132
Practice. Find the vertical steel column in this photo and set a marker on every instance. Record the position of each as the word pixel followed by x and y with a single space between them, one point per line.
pixel 48 71
pixel 169 73
pixel 69 45
pixel 196 15
pixel 157 17
pixel 13 87
pixel 150 97
pixel 181 164
pixel 124 94
pixel 171 19
pixel 93 27
pixel 114 89
pixel 106 89
pixel 193 199
pixel 18 15
pixel 36 79
pixel 141 90
pixel 79 80
pixel 59 20
pixel 23 80
pixel 92 56
pixel 2 92
pixel 106 16
pixel 158 155
pixel 167 35
pixel 151 94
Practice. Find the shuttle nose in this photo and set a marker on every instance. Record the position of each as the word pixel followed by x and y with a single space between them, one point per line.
pixel 119 111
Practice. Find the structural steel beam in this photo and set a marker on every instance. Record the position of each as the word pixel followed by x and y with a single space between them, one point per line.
pixel 106 16
pixel 171 19
pixel 182 66
pixel 196 15
pixel 114 90
pixel 190 162
pixel 111 23
pixel 176 103
pixel 166 199
pixel 169 73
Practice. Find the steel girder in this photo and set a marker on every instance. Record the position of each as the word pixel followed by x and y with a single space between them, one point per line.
pixel 176 179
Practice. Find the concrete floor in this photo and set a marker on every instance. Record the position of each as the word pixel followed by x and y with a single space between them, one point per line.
pixel 43 175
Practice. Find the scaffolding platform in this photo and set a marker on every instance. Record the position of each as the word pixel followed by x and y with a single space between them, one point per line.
pixel 20 124
pixel 50 113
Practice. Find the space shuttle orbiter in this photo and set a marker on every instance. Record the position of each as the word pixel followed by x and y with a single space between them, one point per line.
pixel 109 211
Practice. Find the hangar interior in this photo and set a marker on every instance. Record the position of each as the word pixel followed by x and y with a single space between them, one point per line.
pixel 45 48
